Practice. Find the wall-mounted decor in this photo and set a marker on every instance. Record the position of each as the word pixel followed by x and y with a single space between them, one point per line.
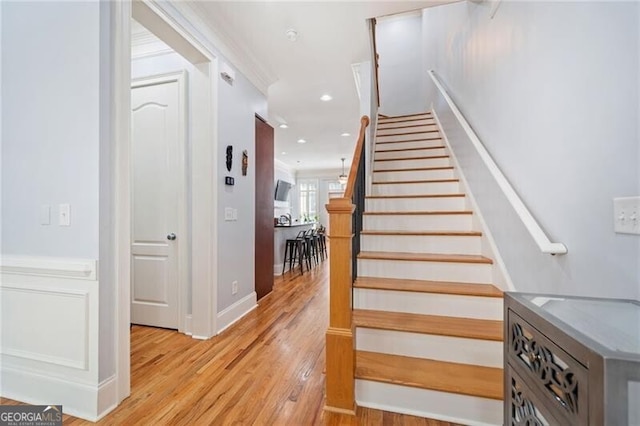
pixel 229 157
pixel 245 162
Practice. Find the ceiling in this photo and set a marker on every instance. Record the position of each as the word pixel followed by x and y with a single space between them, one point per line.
pixel 332 35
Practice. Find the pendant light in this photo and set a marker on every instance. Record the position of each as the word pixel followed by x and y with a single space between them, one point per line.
pixel 343 177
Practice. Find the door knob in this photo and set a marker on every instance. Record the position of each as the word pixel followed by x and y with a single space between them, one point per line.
pixel 171 236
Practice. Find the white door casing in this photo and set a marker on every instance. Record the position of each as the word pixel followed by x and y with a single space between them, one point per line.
pixel 158 200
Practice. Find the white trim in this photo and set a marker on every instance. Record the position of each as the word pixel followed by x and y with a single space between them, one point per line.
pixel 120 126
pixel 235 312
pixel 501 277
pixel 186 325
pixel 541 239
pixel 84 269
pixel 107 397
pixel 211 27
pixel 77 399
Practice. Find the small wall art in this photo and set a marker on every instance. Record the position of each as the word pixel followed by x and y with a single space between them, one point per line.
pixel 229 157
pixel 245 162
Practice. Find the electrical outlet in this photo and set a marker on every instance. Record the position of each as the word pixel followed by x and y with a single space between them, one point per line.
pixel 626 215
pixel 234 287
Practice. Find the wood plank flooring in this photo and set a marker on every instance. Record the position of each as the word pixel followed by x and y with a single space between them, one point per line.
pixel 265 370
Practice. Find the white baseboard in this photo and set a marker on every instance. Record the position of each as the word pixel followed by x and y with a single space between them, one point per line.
pixel 277 269
pixel 107 397
pixel 77 399
pixel 233 313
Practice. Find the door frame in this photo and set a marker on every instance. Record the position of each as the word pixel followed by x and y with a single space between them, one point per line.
pixel 204 167
pixel 182 241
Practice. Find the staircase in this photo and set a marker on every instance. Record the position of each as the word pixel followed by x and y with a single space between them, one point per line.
pixel 428 320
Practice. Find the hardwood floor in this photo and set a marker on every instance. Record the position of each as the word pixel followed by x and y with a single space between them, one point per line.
pixel 265 370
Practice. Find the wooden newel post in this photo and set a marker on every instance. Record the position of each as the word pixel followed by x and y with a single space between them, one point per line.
pixel 340 359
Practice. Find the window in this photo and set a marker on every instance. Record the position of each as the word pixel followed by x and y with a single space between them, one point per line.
pixel 308 199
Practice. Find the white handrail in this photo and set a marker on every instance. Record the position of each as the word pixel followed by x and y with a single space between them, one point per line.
pixel 546 246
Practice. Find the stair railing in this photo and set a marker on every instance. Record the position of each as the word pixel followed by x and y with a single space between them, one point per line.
pixel 538 235
pixel 340 358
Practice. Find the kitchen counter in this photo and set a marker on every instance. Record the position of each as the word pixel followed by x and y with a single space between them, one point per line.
pixel 282 233
pixel 295 225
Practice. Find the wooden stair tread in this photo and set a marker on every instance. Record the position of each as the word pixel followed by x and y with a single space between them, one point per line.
pixel 413 158
pixel 406 120
pixel 398 182
pixel 408 133
pixel 392 117
pixel 425 257
pixel 411 140
pixel 407 126
pixel 411 149
pixel 469 328
pixel 424 233
pixel 415 169
pixel 425 286
pixel 376 197
pixel 419 213
pixel 473 380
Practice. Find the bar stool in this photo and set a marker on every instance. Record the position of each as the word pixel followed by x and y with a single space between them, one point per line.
pixel 306 246
pixel 295 249
pixel 312 246
pixel 321 232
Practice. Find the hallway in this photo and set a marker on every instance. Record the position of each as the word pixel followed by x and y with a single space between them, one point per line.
pixel 265 370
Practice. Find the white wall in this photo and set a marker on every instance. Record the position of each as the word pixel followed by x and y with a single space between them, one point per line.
pixel 398 41
pixel 552 90
pixel 56 148
pixel 50 134
pixel 237 106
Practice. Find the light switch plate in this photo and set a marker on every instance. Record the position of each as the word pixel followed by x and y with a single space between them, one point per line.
pixel 64 215
pixel 626 215
pixel 228 214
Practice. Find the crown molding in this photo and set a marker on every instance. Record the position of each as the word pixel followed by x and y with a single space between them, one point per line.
pixel 193 18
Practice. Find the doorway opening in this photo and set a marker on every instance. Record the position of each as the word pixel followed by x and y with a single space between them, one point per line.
pixel 164 187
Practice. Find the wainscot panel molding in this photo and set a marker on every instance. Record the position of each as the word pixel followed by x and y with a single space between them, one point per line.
pixel 85 269
pixel 49 324
pixel 235 312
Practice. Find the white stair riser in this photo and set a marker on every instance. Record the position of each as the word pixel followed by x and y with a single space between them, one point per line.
pixel 409 137
pixel 415 204
pixel 414 122
pixel 440 348
pixel 384 131
pixel 425 115
pixel 419 188
pixel 421 270
pixel 435 222
pixel 421 244
pixel 406 175
pixel 408 145
pixel 451 305
pixel 433 152
pixel 443 406
pixel 412 164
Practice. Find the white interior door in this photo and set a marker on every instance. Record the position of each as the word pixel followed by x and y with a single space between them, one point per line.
pixel 158 185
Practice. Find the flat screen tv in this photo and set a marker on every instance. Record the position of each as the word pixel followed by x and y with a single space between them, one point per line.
pixel 282 190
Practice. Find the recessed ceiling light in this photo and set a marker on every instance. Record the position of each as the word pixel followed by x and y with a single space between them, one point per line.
pixel 284 153
pixel 346 134
pixel 284 126
pixel 325 98
pixel 291 34
pixel 302 141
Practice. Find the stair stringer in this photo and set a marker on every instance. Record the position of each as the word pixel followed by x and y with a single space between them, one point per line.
pixel 489 248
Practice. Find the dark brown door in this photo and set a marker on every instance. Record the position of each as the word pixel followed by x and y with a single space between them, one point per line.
pixel 264 208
